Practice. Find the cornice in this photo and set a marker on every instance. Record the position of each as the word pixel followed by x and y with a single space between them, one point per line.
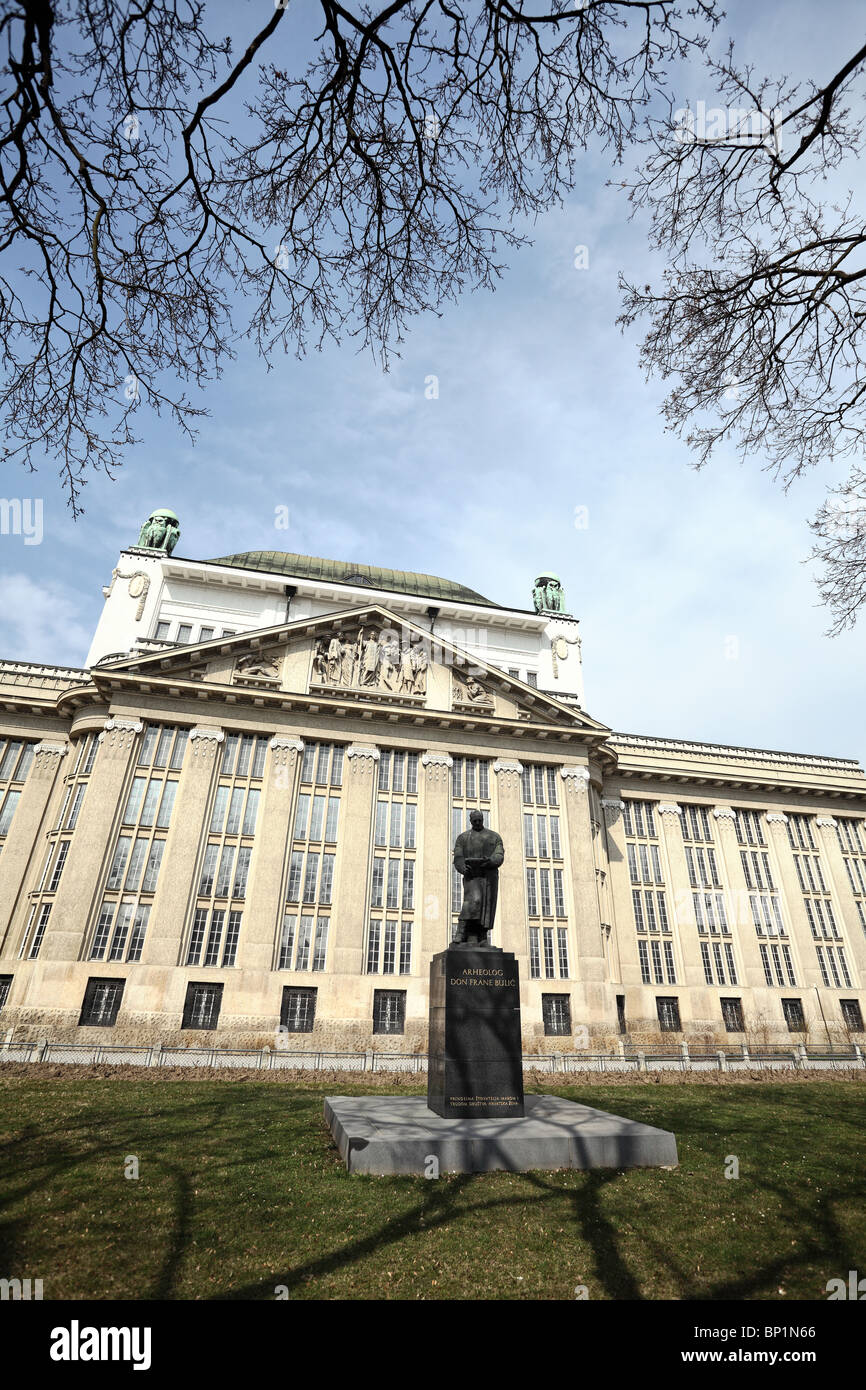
pixel 704 780
pixel 38 704
pixel 71 700
pixel 732 751
pixel 254 697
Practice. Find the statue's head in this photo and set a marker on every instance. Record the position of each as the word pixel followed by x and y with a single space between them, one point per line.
pixel 476 820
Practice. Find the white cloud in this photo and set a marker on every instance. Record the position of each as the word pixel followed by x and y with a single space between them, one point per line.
pixel 41 622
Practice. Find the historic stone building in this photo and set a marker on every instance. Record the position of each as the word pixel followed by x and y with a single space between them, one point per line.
pixel 235 824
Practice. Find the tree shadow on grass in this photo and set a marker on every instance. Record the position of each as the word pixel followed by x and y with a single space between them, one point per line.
pixel 227 1140
pixel 822 1236
pixel 441 1206
pixel 33 1164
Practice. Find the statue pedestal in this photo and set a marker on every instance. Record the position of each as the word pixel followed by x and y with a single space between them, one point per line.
pixel 399 1134
pixel 475 1066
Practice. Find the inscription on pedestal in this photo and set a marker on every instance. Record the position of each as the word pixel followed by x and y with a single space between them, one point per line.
pixel 475 1063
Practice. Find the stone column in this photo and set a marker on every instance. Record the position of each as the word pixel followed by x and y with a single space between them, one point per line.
pixel 737 903
pixel 182 856
pixel 589 967
pixel 681 907
pixel 352 869
pixel 510 924
pixel 265 904
pixel 25 840
pixel 85 864
pixel 435 885
pixel 837 877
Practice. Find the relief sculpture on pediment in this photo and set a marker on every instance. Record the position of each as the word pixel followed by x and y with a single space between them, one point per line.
pixel 468 691
pixel 258 667
pixel 371 659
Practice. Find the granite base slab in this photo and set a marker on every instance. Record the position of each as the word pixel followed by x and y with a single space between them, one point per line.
pixel 399 1134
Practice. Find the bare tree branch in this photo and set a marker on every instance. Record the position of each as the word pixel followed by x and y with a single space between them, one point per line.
pixel 147 176
pixel 759 317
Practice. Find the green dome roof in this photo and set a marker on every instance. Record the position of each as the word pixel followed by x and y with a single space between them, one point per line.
pixel 346 572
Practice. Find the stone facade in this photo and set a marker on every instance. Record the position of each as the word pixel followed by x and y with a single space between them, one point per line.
pixel 247 835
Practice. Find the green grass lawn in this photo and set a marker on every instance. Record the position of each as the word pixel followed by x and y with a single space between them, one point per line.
pixel 241 1190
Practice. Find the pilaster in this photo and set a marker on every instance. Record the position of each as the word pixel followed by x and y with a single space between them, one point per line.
pixel 606 907
pixel 264 905
pixel 436 850
pixel 808 970
pixel 510 924
pixel 737 903
pixel 64 938
pixel 26 832
pixel 586 920
pixel 182 857
pixel 835 871
pixel 619 888
pixel 682 910
pixel 352 870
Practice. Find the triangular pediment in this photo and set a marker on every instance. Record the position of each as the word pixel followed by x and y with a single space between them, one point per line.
pixel 366 656
pixel 254 659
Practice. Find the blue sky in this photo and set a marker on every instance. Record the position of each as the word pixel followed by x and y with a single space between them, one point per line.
pixel 699 617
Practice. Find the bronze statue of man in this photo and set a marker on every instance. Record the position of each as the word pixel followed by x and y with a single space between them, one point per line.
pixel 478 854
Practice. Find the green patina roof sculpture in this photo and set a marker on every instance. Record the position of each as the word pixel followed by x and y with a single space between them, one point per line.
pixel 547 593
pixel 161 531
pixel 346 572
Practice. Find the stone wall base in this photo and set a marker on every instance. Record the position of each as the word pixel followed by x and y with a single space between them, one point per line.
pixel 353 1035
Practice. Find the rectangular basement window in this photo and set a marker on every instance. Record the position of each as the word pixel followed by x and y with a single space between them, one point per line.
pixel 669 1014
pixel 202 1007
pixel 101 1003
pixel 389 1011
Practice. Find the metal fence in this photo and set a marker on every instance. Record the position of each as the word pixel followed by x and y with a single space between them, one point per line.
pixel 682 1059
